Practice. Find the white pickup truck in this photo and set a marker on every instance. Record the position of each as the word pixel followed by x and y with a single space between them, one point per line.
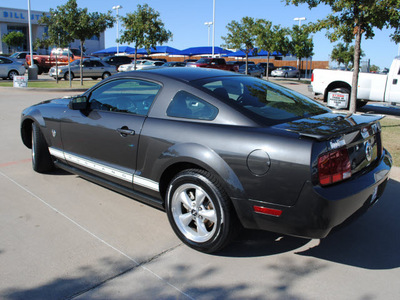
pixel 335 86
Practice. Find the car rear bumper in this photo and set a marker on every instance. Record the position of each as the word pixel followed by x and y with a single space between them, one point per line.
pixel 319 209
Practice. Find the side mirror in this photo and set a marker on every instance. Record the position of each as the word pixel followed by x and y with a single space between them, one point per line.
pixel 78 103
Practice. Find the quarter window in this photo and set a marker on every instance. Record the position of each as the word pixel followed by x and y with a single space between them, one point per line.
pixel 125 95
pixel 186 105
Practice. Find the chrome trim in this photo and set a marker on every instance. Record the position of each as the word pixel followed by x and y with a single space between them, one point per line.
pixel 135 179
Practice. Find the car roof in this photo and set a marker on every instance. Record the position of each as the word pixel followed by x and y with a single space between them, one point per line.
pixel 182 74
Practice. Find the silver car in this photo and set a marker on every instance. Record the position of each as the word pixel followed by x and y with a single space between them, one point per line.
pixel 285 71
pixel 10 68
pixel 92 68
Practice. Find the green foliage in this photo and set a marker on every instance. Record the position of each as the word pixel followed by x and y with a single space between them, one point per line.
pixel 241 35
pixel 144 28
pixel 69 22
pixel 13 38
pixel 271 38
pixel 301 43
pixel 344 54
pixel 374 68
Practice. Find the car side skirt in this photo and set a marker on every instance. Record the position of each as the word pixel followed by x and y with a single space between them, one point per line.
pixel 157 203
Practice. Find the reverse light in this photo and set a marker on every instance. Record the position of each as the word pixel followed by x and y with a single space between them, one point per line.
pixel 267 211
pixel 334 166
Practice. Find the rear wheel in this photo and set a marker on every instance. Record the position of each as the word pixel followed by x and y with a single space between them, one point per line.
pixel 199 211
pixel 11 74
pixel 105 75
pixel 41 158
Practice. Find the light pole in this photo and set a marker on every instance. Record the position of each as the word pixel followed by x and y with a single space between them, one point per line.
pixel 33 69
pixel 117 7
pixel 213 42
pixel 298 59
pixel 208 24
pixel 299 19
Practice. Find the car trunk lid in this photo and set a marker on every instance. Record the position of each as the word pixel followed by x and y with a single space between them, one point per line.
pixel 359 134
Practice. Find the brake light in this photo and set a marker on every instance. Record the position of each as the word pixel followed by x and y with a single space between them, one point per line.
pixel 334 166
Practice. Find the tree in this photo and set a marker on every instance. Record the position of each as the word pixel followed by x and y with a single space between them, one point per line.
pixel 301 43
pixel 351 20
pixel 344 54
pixel 144 28
pixel 69 22
pixel 241 35
pixel 374 69
pixel 13 38
pixel 271 38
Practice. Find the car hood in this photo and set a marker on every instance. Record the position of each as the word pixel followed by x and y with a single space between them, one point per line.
pixel 329 125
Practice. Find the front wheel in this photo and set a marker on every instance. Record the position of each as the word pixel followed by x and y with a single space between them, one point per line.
pixel 41 158
pixel 67 75
pixel 199 211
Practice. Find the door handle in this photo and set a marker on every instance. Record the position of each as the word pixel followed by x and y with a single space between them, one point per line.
pixel 394 81
pixel 125 131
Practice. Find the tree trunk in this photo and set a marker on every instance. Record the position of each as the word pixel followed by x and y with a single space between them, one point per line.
pixel 247 60
pixel 81 64
pixel 354 84
pixel 298 67
pixel 135 59
pixel 267 72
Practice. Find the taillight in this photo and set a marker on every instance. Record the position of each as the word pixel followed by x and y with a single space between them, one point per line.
pixel 312 77
pixel 334 166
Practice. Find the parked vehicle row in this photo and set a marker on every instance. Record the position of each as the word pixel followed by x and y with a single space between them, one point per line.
pixel 91 68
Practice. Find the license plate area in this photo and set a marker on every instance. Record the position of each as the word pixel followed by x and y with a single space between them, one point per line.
pixel 338 100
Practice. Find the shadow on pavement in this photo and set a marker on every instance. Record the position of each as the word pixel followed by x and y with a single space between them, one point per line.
pixel 372 241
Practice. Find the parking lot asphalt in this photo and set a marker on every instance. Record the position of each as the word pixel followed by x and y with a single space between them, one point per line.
pixel 63 237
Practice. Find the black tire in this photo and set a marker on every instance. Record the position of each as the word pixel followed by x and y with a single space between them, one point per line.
pixel 40 70
pixel 211 222
pixel 66 76
pixel 105 75
pixel 11 74
pixel 41 158
pixel 95 78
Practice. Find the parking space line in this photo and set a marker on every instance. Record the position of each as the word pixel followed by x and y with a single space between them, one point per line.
pixel 11 163
pixel 94 235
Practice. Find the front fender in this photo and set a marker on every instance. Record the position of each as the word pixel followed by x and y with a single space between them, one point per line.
pixel 29 116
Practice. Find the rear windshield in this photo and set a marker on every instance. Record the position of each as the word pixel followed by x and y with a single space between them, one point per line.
pixel 262 100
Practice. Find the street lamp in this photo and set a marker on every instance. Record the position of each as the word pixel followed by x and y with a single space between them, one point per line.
pixel 299 19
pixel 298 59
pixel 213 41
pixel 32 70
pixel 117 7
pixel 208 24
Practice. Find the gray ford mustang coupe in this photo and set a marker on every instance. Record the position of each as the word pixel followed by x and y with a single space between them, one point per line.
pixel 216 150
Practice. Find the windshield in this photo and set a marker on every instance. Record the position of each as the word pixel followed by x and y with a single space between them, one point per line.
pixel 204 60
pixel 262 100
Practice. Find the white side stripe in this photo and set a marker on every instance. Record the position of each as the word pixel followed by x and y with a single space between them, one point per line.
pixel 135 179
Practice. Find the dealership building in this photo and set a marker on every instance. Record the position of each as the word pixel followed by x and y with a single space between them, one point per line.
pixel 13 19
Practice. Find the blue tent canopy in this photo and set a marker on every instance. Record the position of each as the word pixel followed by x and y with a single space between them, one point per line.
pixel 241 53
pixel 113 50
pixel 158 49
pixel 204 50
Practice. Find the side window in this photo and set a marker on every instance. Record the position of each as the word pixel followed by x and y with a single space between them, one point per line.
pixel 186 105
pixel 125 95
